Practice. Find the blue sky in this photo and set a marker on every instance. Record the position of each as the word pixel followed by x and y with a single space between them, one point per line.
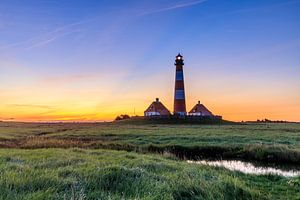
pixel 244 53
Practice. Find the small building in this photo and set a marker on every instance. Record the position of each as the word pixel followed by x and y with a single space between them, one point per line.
pixel 200 110
pixel 156 109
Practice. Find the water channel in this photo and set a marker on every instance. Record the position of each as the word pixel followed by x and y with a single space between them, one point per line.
pixel 250 168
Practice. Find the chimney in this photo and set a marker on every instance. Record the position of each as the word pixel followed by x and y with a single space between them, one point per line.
pixel 157 100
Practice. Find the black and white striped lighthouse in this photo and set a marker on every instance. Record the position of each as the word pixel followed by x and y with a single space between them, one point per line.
pixel 179 96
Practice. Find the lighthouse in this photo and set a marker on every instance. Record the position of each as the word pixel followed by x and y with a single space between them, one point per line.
pixel 198 113
pixel 179 96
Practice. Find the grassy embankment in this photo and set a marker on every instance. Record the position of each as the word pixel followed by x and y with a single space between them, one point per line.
pixel 277 143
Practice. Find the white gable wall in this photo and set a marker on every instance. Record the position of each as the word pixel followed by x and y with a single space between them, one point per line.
pixel 151 113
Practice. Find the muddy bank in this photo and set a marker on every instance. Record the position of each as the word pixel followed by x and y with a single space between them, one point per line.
pixel 277 154
pixel 261 153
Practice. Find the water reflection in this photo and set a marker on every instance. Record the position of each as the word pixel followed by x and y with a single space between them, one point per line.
pixel 248 168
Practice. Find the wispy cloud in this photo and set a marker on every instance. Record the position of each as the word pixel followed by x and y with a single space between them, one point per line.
pixel 7 118
pixel 30 106
pixel 75 27
pixel 46 38
pixel 173 7
pixel 51 39
pixel 70 78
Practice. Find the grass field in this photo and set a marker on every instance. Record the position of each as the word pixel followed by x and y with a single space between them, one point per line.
pixel 118 160
pixel 264 142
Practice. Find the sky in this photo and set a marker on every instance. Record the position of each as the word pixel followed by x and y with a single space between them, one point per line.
pixel 92 60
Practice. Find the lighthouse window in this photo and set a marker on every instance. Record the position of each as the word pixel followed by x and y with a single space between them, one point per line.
pixel 179 75
pixel 179 94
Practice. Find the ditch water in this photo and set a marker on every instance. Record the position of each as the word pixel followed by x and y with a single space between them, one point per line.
pixel 250 168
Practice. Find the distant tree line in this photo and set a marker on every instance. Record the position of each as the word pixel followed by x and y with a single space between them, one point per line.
pixel 122 117
pixel 270 121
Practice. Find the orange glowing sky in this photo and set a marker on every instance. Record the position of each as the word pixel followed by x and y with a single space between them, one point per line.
pixel 90 61
pixel 97 97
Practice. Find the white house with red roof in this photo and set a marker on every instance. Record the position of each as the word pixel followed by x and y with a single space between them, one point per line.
pixel 200 110
pixel 156 108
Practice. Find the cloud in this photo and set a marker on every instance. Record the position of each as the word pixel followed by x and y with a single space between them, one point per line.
pixel 75 27
pixel 173 7
pixel 6 118
pixel 74 78
pixel 51 39
pixel 30 106
pixel 46 38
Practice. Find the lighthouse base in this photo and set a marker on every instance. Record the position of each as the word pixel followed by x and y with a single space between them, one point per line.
pixel 180 114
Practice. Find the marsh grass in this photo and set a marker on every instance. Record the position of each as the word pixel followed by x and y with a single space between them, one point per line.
pixel 80 161
pixel 107 174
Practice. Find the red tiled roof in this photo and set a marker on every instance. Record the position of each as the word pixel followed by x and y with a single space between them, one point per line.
pixel 200 108
pixel 157 106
